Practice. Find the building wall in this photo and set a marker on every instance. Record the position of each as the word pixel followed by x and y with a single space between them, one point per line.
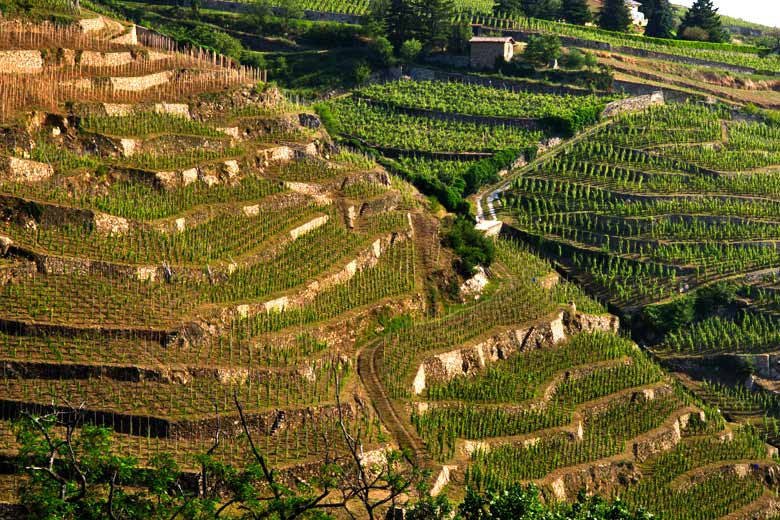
pixel 483 55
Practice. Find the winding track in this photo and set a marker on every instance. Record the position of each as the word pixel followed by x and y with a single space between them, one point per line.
pixel 369 366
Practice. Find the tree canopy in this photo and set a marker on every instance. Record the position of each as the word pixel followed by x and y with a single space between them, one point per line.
pixel 615 16
pixel 704 15
pixel 576 12
pixel 661 21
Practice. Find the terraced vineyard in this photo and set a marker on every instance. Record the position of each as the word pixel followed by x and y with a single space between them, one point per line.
pixel 452 138
pixel 655 204
pixel 170 244
pixel 176 236
pixel 548 393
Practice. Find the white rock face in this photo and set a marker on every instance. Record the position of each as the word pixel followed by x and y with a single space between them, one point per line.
pixel 251 211
pixel 473 287
pixel 174 109
pixel 111 225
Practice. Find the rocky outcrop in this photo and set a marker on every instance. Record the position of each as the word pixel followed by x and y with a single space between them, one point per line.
pixel 595 478
pixel 545 334
pixel 666 437
pixel 473 287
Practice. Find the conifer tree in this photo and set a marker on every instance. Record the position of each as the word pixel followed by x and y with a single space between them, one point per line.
pixel 513 7
pixel 615 16
pixel 660 22
pixel 401 21
pixel 576 12
pixel 704 15
pixel 544 9
pixel 434 18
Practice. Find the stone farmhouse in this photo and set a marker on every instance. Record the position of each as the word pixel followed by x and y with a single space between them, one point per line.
pixel 485 50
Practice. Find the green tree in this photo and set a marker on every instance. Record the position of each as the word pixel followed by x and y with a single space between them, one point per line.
pixel 576 12
pixel 704 15
pixel 410 51
pixel 615 16
pixel 434 22
pixel 660 21
pixel 542 49
pixel 544 9
pixel 401 21
pixel 459 38
pixel 472 247
pixel 375 22
pixel 261 12
pixel 381 52
pixel 288 11
pixel 508 7
pixel 648 7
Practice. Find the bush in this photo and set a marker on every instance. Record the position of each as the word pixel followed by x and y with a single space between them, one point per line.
pixel 361 72
pixel 381 52
pixel 470 245
pixel 696 34
pixel 485 171
pixel 542 49
pixel 673 315
pixel 410 50
pixel 328 119
pixel 576 59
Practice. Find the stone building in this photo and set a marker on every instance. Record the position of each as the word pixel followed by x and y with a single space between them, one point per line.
pixel 485 51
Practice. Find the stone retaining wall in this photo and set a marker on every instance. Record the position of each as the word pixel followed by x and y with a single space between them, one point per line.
pixel 12 512
pixel 140 83
pixel 21 62
pixel 13 169
pixel 545 334
pixel 633 104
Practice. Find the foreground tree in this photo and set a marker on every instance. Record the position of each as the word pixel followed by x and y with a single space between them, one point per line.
pixel 576 12
pixel 660 23
pixel 615 16
pixel 703 15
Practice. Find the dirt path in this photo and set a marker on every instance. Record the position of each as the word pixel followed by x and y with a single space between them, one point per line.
pixel 369 369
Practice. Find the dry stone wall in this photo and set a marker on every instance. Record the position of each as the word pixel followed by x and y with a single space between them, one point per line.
pixel 13 169
pixel 634 104
pixel 21 61
pixel 141 83
pixel 545 334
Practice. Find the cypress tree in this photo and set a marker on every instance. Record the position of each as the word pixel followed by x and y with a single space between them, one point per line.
pixel 544 9
pixel 576 12
pixel 434 18
pixel 514 7
pixel 648 7
pixel 704 15
pixel 660 22
pixel 615 16
pixel 401 21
